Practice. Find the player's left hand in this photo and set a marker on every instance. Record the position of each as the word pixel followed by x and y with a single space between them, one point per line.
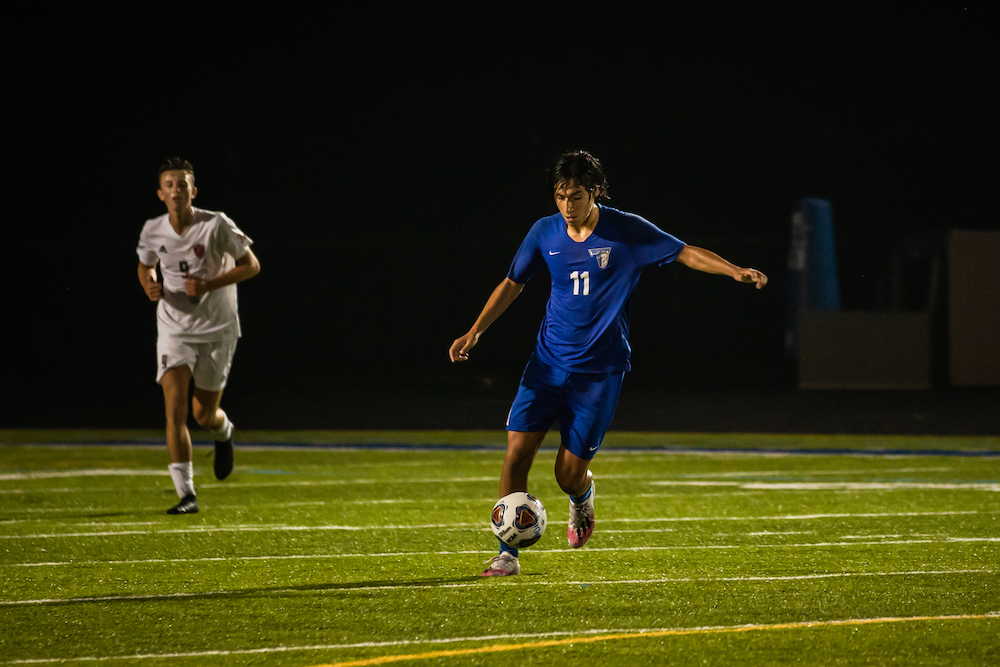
pixel 459 350
pixel 195 286
pixel 751 276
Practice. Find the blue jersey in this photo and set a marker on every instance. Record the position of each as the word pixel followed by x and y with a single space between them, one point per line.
pixel 585 329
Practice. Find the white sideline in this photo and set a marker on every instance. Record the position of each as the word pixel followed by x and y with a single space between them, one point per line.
pixel 836 486
pixel 299 503
pixel 479 583
pixel 398 554
pixel 486 501
pixel 243 529
pixel 261 484
pixel 129 472
pixel 752 486
pixel 447 526
pixel 793 517
pixel 507 637
pixel 774 473
pixel 88 472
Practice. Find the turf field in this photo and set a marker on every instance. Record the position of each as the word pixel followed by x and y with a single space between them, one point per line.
pixel 750 550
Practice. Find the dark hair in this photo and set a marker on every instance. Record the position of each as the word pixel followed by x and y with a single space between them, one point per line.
pixel 583 167
pixel 175 164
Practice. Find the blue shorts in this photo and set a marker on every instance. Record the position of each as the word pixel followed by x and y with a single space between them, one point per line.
pixel 584 404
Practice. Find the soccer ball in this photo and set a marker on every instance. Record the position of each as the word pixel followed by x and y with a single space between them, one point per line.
pixel 518 520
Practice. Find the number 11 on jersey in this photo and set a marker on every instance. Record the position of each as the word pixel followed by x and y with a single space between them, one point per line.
pixel 577 277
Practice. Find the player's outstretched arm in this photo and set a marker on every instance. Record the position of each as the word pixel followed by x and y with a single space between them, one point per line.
pixel 147 278
pixel 246 267
pixel 502 297
pixel 700 259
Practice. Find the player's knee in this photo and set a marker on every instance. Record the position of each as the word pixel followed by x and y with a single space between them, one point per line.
pixel 573 477
pixel 570 486
pixel 205 418
pixel 569 481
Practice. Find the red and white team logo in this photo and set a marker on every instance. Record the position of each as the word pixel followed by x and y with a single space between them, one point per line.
pixel 199 250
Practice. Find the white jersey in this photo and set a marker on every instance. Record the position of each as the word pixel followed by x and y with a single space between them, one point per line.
pixel 207 248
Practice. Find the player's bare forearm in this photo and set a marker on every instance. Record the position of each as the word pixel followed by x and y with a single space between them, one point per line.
pixel 247 268
pixel 235 275
pixel 707 261
pixel 499 301
pixel 147 278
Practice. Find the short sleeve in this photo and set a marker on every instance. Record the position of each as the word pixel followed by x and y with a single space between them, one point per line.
pixel 651 245
pixel 528 259
pixel 145 251
pixel 231 240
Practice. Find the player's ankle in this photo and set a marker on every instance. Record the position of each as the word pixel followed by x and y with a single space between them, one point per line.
pixel 586 496
pixel 506 549
pixel 225 430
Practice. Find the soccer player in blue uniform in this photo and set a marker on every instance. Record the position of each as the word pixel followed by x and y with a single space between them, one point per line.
pixel 594 255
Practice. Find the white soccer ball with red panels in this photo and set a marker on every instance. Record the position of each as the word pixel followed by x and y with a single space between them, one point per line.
pixel 518 520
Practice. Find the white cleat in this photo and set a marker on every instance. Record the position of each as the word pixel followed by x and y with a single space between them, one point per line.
pixel 502 565
pixel 581 520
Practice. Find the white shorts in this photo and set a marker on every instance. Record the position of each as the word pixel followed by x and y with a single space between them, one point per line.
pixel 210 362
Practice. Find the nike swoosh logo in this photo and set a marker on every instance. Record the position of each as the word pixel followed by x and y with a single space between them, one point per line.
pixel 593 448
pixel 554 253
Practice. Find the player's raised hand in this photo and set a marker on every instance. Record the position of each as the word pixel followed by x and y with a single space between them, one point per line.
pixel 460 348
pixel 751 276
pixel 153 289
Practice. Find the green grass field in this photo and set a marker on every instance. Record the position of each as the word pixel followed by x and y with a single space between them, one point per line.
pixel 710 550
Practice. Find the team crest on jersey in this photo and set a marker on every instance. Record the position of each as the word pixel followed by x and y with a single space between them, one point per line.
pixel 602 255
pixel 199 250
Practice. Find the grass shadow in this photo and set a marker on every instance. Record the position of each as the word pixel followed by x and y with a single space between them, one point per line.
pixel 250 593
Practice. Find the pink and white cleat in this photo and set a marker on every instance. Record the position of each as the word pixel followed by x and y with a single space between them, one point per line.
pixel 581 521
pixel 502 565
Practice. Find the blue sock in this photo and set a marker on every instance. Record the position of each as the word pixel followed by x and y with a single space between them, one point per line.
pixel 511 550
pixel 583 498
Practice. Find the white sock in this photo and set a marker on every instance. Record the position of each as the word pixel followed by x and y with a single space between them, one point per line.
pixel 183 476
pixel 224 433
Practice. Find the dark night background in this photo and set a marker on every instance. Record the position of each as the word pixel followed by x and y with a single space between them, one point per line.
pixel 387 162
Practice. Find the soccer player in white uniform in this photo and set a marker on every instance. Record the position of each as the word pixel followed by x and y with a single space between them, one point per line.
pixel 594 255
pixel 201 255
